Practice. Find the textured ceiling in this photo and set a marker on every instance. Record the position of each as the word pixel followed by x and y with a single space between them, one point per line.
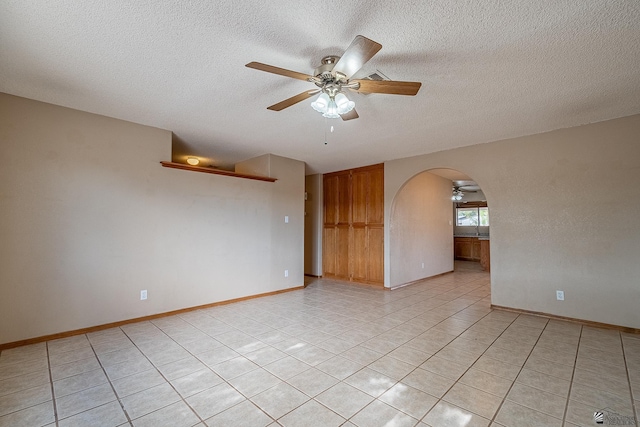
pixel 489 70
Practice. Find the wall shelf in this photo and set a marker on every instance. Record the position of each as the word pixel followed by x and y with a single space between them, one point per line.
pixel 215 171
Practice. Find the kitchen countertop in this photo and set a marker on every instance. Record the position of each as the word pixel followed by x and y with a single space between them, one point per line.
pixel 478 236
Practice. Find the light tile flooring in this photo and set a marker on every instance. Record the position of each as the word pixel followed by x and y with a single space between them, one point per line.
pixel 430 354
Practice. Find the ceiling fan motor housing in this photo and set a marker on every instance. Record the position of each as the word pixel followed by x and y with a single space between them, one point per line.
pixel 327 64
pixel 331 83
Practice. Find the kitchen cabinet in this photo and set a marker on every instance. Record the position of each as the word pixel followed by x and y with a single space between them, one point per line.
pixel 485 254
pixel 473 249
pixel 466 248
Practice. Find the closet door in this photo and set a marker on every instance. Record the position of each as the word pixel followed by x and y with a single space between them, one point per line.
pixel 376 255
pixel 375 226
pixel 330 194
pixel 354 224
pixel 360 182
pixel 329 251
pixel 343 227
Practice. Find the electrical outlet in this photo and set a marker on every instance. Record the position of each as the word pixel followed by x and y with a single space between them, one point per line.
pixel 286 273
pixel 560 295
pixel 143 295
pixel 423 265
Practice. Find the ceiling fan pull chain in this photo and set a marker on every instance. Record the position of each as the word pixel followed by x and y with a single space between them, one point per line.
pixel 325 131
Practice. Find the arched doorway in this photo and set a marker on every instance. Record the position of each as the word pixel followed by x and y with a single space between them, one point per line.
pixel 424 227
pixel 471 221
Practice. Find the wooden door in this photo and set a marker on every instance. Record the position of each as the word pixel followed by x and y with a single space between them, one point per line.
pixel 375 225
pixel 330 205
pixel 329 251
pixel 360 251
pixel 343 251
pixel 376 254
pixel 359 255
pixel 354 224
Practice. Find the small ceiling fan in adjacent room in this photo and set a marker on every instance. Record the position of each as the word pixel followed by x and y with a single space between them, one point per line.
pixel 460 188
pixel 333 79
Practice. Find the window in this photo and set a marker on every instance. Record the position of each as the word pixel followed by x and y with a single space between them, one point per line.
pixel 483 213
pixel 473 217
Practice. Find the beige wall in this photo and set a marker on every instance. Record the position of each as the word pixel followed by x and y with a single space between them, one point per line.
pixel 88 218
pixel 286 212
pixel 564 211
pixel 287 239
pixel 421 234
pixel 313 209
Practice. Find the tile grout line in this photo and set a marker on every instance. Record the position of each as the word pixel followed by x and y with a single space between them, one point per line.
pixel 441 321
pixel 413 370
pixel 247 398
pixel 458 335
pixel 626 367
pixel 310 398
pixel 241 355
pixel 334 355
pixel 161 374
pixel 573 373
pixel 383 354
pixel 313 307
pixel 126 414
pixel 439 399
pixel 519 372
pixel 53 392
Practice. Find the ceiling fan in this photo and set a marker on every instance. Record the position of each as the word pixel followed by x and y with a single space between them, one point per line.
pixel 466 186
pixel 333 79
pixel 461 187
pixel 457 194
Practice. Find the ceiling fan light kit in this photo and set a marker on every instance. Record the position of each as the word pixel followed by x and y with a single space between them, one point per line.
pixel 333 78
pixel 321 105
pixel 333 107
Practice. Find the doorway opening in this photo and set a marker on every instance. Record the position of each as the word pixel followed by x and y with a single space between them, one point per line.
pixel 471 221
pixel 432 232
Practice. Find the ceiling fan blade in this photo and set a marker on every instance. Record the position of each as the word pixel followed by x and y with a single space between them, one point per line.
pixel 357 54
pixel 293 100
pixel 390 87
pixel 353 114
pixel 276 70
